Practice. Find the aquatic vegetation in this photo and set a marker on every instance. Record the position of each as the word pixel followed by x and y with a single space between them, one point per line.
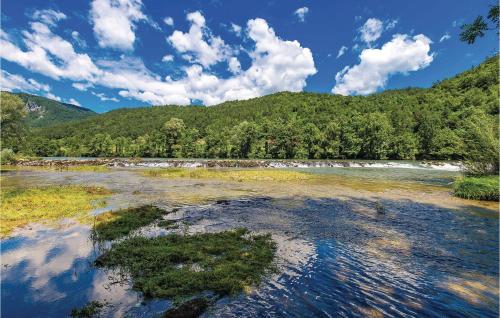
pixel 379 207
pixel 477 188
pixel 190 308
pixel 231 175
pixel 90 310
pixel 117 224
pixel 180 266
pixel 50 203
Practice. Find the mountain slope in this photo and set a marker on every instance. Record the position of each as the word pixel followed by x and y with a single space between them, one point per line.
pixel 43 112
pixel 317 108
pixel 401 124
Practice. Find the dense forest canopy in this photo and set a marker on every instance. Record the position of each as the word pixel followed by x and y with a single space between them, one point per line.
pixel 453 118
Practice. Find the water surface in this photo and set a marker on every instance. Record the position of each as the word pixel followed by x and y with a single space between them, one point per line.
pixel 428 255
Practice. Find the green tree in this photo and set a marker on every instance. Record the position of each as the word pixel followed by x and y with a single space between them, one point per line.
pixel 331 143
pixel 404 146
pixel 12 113
pixel 376 135
pixel 470 32
pixel 173 131
pixel 121 146
pixel 480 143
pixel 101 146
pixel 429 123
pixel 445 145
pixel 313 140
pixel 188 143
pixel 350 140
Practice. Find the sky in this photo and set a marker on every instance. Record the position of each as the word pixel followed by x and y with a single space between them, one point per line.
pixel 109 54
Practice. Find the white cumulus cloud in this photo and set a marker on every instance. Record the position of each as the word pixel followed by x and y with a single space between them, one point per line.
pixel 342 51
pixel 78 40
pixel 10 82
pixel 445 37
pixel 115 22
pixel 49 17
pixel 74 102
pixel 301 13
pixel 391 24
pixel 402 54
pixel 198 45
pixel 236 29
pixel 169 21
pixel 234 65
pixel 48 54
pixel 275 65
pixel 104 98
pixel 371 30
pixel 167 58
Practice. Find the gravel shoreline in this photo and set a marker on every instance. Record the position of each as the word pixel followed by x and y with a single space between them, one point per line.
pixel 236 163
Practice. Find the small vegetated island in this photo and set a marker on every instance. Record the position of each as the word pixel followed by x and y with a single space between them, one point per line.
pixel 193 270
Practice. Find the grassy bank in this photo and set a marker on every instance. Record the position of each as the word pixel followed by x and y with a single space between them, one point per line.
pixel 231 175
pixel 44 204
pixel 477 188
pixel 113 225
pixel 177 266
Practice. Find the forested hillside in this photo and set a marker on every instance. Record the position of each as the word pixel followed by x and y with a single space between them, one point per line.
pixel 42 112
pixel 442 122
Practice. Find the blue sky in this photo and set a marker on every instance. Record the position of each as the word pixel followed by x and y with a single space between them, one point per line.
pixel 107 54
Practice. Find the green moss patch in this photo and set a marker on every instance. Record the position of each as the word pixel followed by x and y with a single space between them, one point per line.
pixel 477 188
pixel 114 225
pixel 177 266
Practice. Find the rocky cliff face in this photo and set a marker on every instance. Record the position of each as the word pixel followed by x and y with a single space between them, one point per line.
pixel 33 107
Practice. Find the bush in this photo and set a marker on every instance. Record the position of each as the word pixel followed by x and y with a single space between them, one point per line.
pixel 7 156
pixel 480 188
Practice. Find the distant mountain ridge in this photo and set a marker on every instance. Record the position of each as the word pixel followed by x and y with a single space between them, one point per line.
pixel 44 112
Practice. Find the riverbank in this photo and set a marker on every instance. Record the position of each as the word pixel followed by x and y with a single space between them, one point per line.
pixel 237 163
pixel 478 188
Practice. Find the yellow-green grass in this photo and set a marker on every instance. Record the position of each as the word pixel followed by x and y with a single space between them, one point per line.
pixel 46 204
pixel 231 175
pixel 83 168
pixel 477 188
pixel 73 168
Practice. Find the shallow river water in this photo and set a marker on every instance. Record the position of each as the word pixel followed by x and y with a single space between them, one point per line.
pixel 427 255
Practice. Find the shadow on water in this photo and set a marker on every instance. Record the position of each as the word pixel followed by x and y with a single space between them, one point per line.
pixel 338 257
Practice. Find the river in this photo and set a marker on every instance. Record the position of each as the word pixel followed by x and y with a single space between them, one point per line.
pixel 428 254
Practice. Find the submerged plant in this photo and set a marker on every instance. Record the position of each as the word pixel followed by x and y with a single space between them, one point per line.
pixel 180 266
pixel 114 225
pixel 92 309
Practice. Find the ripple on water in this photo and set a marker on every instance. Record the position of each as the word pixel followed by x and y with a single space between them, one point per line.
pixel 337 257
